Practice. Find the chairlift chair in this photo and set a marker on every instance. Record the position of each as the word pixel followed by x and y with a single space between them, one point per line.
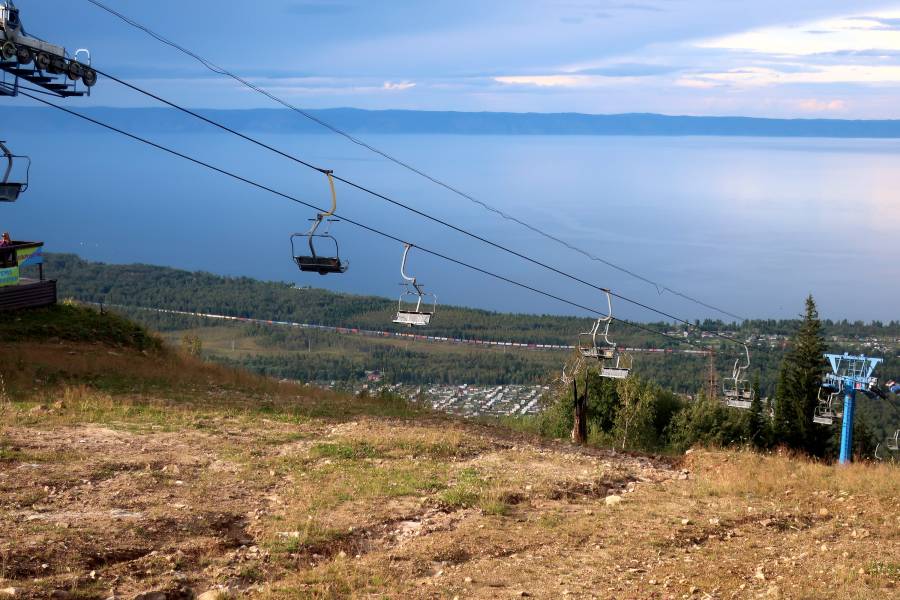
pixel 828 408
pixel 416 317
pixel 314 263
pixel 736 390
pixel 893 442
pixel 10 190
pixel 622 368
pixel 587 342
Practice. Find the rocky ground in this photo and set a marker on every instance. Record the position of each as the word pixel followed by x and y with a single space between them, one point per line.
pixel 230 491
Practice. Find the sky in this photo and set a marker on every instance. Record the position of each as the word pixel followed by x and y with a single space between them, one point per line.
pixel 794 58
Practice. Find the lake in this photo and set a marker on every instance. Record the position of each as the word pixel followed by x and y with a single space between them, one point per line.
pixel 751 225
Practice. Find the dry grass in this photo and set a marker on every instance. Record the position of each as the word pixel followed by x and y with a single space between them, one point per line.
pixel 162 473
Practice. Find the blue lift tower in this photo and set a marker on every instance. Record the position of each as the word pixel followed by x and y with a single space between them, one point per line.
pixel 850 374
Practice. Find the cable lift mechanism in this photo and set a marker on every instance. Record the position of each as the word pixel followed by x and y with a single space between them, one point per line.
pixel 850 374
pixel 589 347
pixel 417 316
pixel 323 265
pixel 736 390
pixel 11 186
pixel 28 58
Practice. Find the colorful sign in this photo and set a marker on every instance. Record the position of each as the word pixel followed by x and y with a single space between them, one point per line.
pixel 9 276
pixel 30 256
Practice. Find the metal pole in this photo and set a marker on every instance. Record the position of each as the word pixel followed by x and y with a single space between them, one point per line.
pixel 847 425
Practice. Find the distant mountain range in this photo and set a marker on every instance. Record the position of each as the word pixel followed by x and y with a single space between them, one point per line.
pixel 351 120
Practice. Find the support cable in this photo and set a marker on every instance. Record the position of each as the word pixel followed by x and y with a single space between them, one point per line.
pixel 351 221
pixel 660 288
pixel 408 207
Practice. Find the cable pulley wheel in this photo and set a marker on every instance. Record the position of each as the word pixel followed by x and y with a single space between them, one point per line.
pixel 8 50
pixel 42 61
pixel 89 77
pixel 74 71
pixel 24 55
pixel 57 65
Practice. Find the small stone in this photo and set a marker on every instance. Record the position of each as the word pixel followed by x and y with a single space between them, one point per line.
pixel 823 512
pixel 714 521
pixel 151 596
pixel 694 589
pixel 468 580
pixel 342 554
pixel 759 574
pixel 214 594
pixel 9 592
pixel 613 500
pixel 685 521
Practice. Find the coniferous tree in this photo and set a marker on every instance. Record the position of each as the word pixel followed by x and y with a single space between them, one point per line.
pixel 758 423
pixel 798 387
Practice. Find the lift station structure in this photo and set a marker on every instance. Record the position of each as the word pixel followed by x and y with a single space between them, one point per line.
pixel 850 374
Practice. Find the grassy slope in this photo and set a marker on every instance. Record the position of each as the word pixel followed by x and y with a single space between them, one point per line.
pixel 133 469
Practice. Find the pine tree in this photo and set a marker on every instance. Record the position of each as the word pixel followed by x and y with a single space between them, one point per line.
pixel 798 387
pixel 758 423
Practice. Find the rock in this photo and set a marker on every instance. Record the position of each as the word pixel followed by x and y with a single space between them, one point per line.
pixel 613 500
pixel 524 594
pixel 685 521
pixel 823 512
pixel 759 574
pixel 214 594
pixel 9 592
pixel 467 580
pixel 151 596
pixel 714 521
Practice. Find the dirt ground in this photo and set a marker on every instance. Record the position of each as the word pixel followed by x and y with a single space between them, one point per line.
pixel 157 502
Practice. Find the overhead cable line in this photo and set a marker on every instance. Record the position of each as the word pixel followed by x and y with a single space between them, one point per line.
pixel 410 208
pixel 351 221
pixel 660 288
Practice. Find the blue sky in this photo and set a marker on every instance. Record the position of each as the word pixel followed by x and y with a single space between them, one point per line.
pixel 795 58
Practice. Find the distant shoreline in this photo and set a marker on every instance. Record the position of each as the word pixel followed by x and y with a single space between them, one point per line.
pixel 355 121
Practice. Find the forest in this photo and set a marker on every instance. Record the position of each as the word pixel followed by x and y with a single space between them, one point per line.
pixel 311 355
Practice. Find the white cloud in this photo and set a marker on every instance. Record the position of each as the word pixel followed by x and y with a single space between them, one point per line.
pixel 543 80
pixel 398 86
pixel 841 34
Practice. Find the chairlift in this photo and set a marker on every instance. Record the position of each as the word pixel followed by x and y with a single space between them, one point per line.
pixel 415 316
pixel 587 342
pixel 10 189
pixel 589 348
pixel 323 265
pixel 829 408
pixel 736 390
pixel 892 444
pixel 621 369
